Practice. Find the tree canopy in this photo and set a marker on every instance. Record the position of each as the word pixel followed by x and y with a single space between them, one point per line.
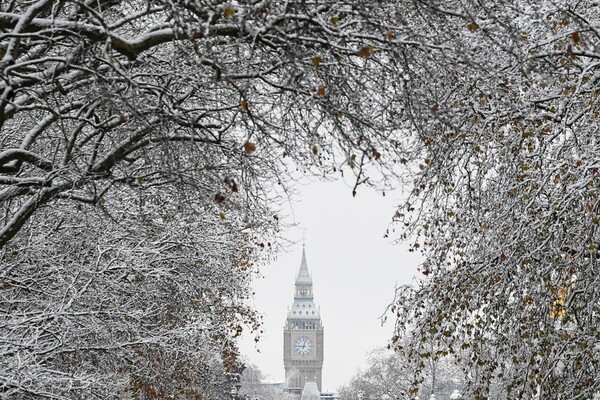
pixel 388 376
pixel 142 148
pixel 145 142
pixel 97 95
pixel 505 203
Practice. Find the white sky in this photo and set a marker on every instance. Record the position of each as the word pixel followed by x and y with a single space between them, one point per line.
pixel 354 271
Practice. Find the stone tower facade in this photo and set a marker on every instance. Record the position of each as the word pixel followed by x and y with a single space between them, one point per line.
pixel 303 335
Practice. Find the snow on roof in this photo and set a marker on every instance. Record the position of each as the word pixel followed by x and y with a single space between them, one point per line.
pixel 311 391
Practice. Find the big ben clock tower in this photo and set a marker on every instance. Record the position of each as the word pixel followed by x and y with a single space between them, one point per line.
pixel 303 335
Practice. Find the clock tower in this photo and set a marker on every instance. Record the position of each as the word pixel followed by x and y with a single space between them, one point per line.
pixel 303 335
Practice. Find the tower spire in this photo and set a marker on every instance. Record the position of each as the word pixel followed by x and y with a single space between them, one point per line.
pixel 303 276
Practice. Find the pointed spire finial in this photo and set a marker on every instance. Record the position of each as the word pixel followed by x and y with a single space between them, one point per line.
pixel 303 274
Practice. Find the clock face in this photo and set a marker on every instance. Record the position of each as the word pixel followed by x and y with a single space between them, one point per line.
pixel 303 345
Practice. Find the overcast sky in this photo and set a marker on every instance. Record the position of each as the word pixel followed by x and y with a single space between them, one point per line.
pixel 354 269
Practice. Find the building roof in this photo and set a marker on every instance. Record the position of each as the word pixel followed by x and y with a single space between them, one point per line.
pixel 304 309
pixel 311 391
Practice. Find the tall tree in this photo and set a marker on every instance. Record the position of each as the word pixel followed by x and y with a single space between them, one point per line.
pixel 148 305
pixel 141 147
pixel 504 206
pixel 389 376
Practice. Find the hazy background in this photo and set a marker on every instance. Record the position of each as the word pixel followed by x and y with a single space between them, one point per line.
pixel 354 269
